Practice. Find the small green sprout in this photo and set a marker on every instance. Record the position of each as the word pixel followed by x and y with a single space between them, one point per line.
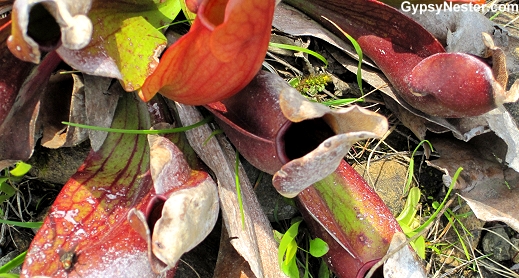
pixel 11 177
pixel 288 247
pixel 410 170
pixel 409 222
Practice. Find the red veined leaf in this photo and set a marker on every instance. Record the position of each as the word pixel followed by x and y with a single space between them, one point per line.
pixel 89 216
pixel 219 55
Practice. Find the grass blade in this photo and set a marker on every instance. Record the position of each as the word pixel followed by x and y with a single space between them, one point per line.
pixel 301 49
pixel 13 264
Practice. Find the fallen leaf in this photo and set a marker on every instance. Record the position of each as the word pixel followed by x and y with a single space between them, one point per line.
pixel 459 32
pixel 55 107
pixel 101 97
pixel 20 128
pixel 77 114
pixel 230 263
pixel 490 189
pixel 289 20
pixel 254 241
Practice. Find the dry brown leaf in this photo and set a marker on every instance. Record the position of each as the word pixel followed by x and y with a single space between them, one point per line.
pixel 461 32
pixel 404 263
pixel 291 21
pixel 490 189
pixel 230 264
pixel 254 241
pixel 101 96
pixel 55 107
pixel 77 113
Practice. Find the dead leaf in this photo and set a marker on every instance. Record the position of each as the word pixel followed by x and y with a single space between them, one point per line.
pixel 291 21
pixel 77 114
pixel 404 263
pixel 55 107
pixel 491 189
pixel 255 241
pixel 101 97
pixel 460 32
pixel 230 263
pixel 20 129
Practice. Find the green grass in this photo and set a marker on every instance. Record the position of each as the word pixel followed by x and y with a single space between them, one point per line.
pixel 142 131
pixel 357 49
pixel 12 264
pixel 407 218
pixel 288 247
pixel 300 49
pixel 238 187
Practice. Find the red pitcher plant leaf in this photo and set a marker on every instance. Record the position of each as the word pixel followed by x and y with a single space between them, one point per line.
pixel 34 28
pixel 86 233
pixel 344 210
pixel 349 215
pixel 188 200
pixel 105 38
pixel 220 54
pixel 449 85
pixel 284 134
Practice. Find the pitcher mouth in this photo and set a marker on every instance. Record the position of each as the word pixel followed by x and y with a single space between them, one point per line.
pixel 294 140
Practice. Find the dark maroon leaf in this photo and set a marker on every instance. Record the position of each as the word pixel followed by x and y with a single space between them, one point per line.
pixel 14 73
pixel 20 128
pixel 398 46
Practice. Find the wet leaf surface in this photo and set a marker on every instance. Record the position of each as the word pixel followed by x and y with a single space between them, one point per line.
pixel 89 216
